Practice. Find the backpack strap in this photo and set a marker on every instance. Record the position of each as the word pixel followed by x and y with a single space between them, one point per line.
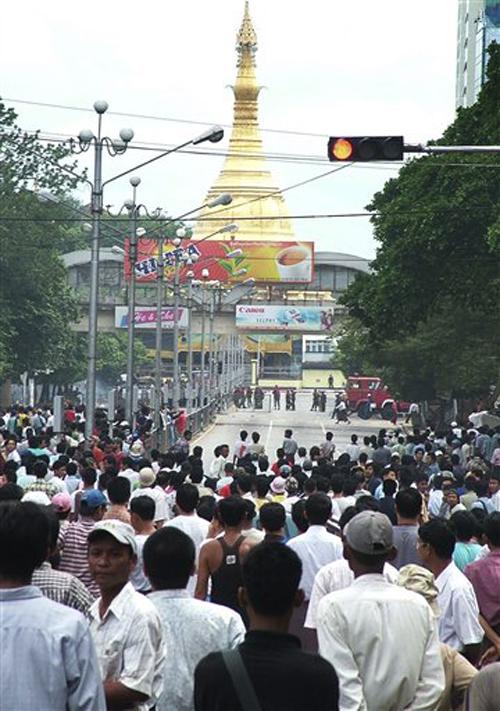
pixel 241 681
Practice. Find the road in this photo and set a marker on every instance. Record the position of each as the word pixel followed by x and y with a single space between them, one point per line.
pixel 309 428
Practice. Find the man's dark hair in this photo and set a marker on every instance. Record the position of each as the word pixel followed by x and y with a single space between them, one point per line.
pixel 408 503
pixel 389 487
pixel 206 507
pixel 187 497
pixel 262 486
pixel 348 513
pixel 491 527
pixel 310 486
pixel 89 476
pixel 463 525
pixel 144 507
pixel 367 502
pixel 350 485
pixel 271 576
pixel 272 517
pixel 329 436
pixel 54 526
pixel 437 534
pixel 232 510
pixel 244 482
pixel 288 433
pixel 168 556
pixel 255 437
pixel 337 483
pixel 298 516
pixel 11 492
pixel 119 490
pixel 24 532
pixel 40 469
pixel 243 435
pixel 318 509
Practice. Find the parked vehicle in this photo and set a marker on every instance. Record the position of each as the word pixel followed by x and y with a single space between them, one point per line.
pixel 367 395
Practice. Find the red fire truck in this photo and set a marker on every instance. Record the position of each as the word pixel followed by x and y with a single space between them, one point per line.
pixel 368 394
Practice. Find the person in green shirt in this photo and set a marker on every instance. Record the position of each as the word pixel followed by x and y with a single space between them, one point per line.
pixel 466 548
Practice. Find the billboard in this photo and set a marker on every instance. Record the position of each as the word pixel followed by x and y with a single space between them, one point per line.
pixel 145 317
pixel 228 262
pixel 284 318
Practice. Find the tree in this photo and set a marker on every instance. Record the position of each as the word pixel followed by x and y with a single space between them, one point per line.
pixel 429 306
pixel 112 355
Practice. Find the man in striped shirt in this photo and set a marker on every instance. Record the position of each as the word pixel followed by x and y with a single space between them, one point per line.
pixel 73 539
pixel 56 585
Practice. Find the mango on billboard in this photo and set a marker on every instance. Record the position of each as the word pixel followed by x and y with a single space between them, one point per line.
pixel 317 319
pixel 228 262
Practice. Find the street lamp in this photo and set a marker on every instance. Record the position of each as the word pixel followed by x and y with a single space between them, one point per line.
pixel 86 139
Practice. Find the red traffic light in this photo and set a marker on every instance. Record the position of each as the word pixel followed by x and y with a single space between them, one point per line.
pixel 365 148
pixel 342 149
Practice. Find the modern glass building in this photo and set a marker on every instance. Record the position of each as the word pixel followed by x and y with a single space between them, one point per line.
pixel 478 27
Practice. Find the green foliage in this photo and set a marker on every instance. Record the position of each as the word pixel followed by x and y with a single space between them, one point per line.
pixel 429 308
pixel 36 305
pixel 351 355
pixel 112 355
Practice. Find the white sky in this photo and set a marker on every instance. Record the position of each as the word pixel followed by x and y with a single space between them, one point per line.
pixel 330 67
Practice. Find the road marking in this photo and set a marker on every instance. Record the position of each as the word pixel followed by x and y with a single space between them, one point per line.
pixel 268 436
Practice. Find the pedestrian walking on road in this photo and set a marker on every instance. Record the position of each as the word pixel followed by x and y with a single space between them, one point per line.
pixel 277 398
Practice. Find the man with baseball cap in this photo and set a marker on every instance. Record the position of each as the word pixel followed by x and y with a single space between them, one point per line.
pixel 380 638
pixel 125 625
pixel 148 487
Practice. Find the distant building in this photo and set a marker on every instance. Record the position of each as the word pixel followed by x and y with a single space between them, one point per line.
pixel 478 27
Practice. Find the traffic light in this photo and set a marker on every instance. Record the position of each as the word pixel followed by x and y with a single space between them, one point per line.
pixel 365 148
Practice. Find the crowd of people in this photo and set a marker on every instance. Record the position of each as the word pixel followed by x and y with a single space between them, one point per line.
pixel 356 577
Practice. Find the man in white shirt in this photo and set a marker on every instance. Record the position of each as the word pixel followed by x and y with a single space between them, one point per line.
pixel 315 548
pixel 380 639
pixel 188 521
pixel 459 625
pixel 353 449
pixel 125 625
pixel 221 459
pixel 241 447
pixel 192 628
pixel 337 576
pixel 147 487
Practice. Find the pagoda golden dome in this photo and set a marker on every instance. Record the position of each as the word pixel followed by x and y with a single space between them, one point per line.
pixel 245 173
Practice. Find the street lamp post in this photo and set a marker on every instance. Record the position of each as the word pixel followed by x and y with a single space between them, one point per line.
pixel 158 364
pixel 204 275
pixel 190 339
pixel 132 257
pixel 211 340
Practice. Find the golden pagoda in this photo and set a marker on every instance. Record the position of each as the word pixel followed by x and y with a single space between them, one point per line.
pixel 245 174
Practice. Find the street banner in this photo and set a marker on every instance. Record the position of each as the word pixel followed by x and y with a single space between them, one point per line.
pixel 284 318
pixel 145 317
pixel 228 262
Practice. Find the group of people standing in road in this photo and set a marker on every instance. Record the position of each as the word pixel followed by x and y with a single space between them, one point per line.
pixel 328 577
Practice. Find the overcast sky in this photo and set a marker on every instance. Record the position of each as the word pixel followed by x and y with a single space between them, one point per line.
pixel 329 66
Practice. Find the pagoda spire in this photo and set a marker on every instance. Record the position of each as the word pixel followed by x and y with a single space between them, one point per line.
pixel 245 174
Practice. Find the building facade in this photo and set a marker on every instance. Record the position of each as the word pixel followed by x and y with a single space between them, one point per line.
pixel 478 27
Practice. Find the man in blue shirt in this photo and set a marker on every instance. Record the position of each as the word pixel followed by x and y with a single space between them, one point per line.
pixel 49 642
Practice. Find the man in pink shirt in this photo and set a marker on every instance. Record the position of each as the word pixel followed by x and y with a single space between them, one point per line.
pixel 484 574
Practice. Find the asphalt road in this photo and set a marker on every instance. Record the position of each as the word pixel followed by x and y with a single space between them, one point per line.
pixel 309 428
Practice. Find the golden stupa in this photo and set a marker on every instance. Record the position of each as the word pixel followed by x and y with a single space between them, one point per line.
pixel 245 174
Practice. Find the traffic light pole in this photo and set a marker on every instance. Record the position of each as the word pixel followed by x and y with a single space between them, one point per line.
pixel 434 150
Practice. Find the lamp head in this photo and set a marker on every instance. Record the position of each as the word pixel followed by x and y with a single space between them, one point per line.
pixel 224 199
pixel 45 195
pixel 87 227
pixel 181 232
pixel 194 257
pixel 214 135
pixel 177 241
pixel 140 232
pixel 101 106
pixel 85 136
pixel 127 134
pixel 128 204
pixel 229 228
pixel 134 181
pixel 190 275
